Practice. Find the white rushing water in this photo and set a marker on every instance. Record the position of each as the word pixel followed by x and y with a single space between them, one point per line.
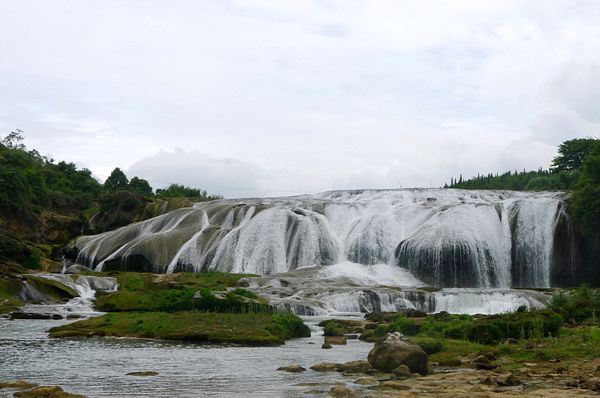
pixel 80 306
pixel 443 237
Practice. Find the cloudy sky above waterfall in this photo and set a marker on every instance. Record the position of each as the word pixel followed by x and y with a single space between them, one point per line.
pixel 258 97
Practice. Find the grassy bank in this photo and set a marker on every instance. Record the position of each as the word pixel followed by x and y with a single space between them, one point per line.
pixel 224 328
pixel 204 292
pixel 194 307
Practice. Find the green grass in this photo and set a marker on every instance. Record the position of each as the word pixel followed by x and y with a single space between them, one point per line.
pixel 175 292
pixel 223 328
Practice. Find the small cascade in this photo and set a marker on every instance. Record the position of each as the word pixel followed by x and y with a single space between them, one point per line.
pixel 334 290
pixel 443 237
pixel 80 306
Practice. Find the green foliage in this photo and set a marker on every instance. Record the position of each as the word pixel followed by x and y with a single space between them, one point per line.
pixel 333 329
pixel 585 206
pixel 520 181
pixel 447 325
pixel 525 325
pixel 118 208
pixel 288 326
pixel 573 153
pixel 140 186
pixel 149 292
pixel 177 191
pixel 29 181
pixel 243 328
pixel 432 346
pixel 401 324
pixel 116 180
pixel 578 306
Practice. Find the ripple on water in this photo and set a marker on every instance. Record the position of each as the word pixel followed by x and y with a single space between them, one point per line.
pixel 97 367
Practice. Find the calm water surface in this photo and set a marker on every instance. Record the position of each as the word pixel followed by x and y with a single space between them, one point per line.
pixel 97 367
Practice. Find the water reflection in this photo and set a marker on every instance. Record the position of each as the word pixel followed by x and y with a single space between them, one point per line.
pixel 97 367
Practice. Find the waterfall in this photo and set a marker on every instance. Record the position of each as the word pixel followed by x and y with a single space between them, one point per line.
pixel 442 237
pixel 82 305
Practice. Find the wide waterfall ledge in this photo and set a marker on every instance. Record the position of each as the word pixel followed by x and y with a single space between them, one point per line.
pixel 442 237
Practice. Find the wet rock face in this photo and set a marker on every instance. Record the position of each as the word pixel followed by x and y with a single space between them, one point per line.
pixel 393 351
pixel 446 237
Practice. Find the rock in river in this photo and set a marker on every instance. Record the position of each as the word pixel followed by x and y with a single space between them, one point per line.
pixel 393 351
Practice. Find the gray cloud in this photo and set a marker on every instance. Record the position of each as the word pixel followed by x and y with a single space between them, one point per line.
pixel 228 177
pixel 302 96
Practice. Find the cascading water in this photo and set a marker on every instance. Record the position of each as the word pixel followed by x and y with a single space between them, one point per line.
pixel 447 238
pixel 81 306
pixel 401 239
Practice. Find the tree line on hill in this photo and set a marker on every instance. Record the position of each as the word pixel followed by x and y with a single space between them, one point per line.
pixel 43 201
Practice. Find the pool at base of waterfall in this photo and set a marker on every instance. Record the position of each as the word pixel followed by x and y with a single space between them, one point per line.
pixel 98 367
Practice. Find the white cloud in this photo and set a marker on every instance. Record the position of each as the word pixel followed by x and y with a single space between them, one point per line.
pixel 308 95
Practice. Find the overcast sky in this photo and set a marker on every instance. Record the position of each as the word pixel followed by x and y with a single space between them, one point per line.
pixel 257 97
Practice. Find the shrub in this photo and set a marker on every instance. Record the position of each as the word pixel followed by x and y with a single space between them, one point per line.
pixel 432 347
pixel 332 329
pixel 526 325
pixel 288 326
pixel 579 306
pixel 402 324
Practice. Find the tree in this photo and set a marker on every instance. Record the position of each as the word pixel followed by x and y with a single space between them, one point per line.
pixel 572 154
pixel 141 186
pixel 116 181
pixel 179 191
pixel 586 197
pixel 14 140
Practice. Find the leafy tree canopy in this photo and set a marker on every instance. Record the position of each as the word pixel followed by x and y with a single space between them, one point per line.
pixel 177 191
pixel 117 180
pixel 140 186
pixel 572 154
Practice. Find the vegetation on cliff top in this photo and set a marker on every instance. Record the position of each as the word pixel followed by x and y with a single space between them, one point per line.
pixel 44 203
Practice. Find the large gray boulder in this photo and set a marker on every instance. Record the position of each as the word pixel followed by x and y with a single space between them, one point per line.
pixel 393 350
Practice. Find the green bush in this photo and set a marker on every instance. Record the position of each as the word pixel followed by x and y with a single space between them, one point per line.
pixel 432 347
pixel 332 329
pixel 493 329
pixel 579 306
pixel 288 326
pixel 401 324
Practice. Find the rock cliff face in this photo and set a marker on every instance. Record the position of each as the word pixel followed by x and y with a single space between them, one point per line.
pixel 445 238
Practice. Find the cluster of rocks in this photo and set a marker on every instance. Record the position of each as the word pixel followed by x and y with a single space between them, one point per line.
pixel 32 390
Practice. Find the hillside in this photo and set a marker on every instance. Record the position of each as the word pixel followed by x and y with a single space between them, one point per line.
pixel 44 204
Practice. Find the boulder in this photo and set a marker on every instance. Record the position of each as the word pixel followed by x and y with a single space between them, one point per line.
pixel 393 351
pixel 326 346
pixel 292 368
pixel 76 269
pixel 144 373
pixel 402 371
pixel 394 385
pixel 341 392
pixel 337 340
pixel 508 380
pixel 356 367
pixel 489 354
pixel 46 392
pixel 366 381
pixel 482 362
pixel 325 367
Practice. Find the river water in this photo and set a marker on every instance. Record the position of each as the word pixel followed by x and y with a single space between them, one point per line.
pixel 97 367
